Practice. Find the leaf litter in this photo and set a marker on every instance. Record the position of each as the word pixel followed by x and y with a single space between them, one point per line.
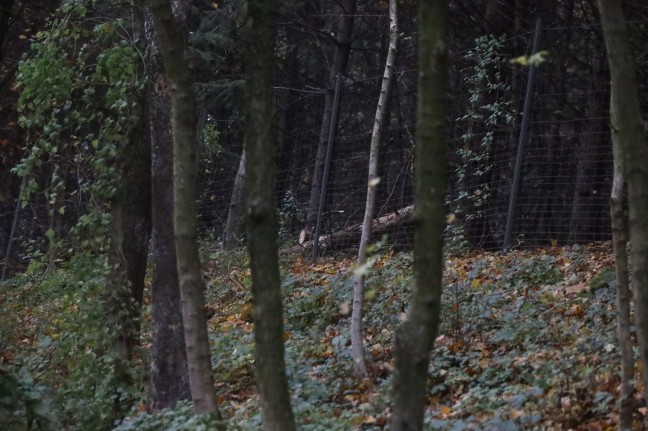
pixel 527 341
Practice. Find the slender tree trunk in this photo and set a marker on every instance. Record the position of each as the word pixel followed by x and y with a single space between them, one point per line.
pixel 415 336
pixel 376 135
pixel 233 231
pixel 624 295
pixel 169 372
pixel 629 136
pixel 338 67
pixel 172 44
pixel 261 210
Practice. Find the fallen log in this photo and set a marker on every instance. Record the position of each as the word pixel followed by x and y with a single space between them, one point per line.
pixel 351 234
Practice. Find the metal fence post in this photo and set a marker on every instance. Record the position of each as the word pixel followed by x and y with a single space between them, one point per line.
pixel 327 164
pixel 524 131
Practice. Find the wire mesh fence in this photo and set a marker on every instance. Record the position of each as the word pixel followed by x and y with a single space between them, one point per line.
pixel 565 153
pixel 566 157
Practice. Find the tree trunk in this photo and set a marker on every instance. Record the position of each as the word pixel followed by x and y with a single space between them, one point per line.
pixel 261 221
pixel 415 336
pixel 130 229
pixel 172 44
pixel 169 372
pixel 624 295
pixel 376 135
pixel 629 136
pixel 338 67
pixel 233 232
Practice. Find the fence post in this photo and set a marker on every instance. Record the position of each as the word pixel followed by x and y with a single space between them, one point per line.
pixel 327 165
pixel 13 229
pixel 524 131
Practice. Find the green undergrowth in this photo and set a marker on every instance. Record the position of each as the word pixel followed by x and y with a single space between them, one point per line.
pixel 527 341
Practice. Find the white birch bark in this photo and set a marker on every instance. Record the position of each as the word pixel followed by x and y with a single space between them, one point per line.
pixel 376 135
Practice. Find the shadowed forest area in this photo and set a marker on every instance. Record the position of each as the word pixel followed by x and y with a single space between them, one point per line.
pixel 310 215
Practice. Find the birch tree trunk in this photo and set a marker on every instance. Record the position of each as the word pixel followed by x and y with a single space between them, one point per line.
pixel 261 212
pixel 415 336
pixel 629 139
pixel 376 136
pixel 172 44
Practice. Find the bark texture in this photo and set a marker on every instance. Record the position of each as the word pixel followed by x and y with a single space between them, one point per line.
pixel 415 336
pixel 376 137
pixel 169 372
pixel 261 216
pixel 628 136
pixel 172 45
pixel 338 67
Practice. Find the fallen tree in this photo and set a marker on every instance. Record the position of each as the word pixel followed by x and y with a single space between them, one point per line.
pixel 351 234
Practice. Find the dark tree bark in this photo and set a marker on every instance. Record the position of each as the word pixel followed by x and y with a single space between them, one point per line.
pixel 261 216
pixel 338 67
pixel 415 336
pixel 629 136
pixel 169 372
pixel 130 234
pixel 173 45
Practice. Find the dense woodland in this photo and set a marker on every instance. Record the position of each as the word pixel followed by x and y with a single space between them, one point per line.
pixel 359 214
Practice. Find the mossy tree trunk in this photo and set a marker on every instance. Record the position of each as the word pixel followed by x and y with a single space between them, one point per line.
pixel 261 215
pixel 173 45
pixel 415 336
pixel 130 229
pixel 629 137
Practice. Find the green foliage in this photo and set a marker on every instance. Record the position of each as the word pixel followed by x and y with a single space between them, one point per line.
pixel 72 352
pixel 79 88
pixel 290 214
pixel 536 271
pixel 180 418
pixel 603 279
pixel 488 112
pixel 22 404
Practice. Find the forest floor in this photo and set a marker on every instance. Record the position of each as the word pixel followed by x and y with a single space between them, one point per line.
pixel 527 341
